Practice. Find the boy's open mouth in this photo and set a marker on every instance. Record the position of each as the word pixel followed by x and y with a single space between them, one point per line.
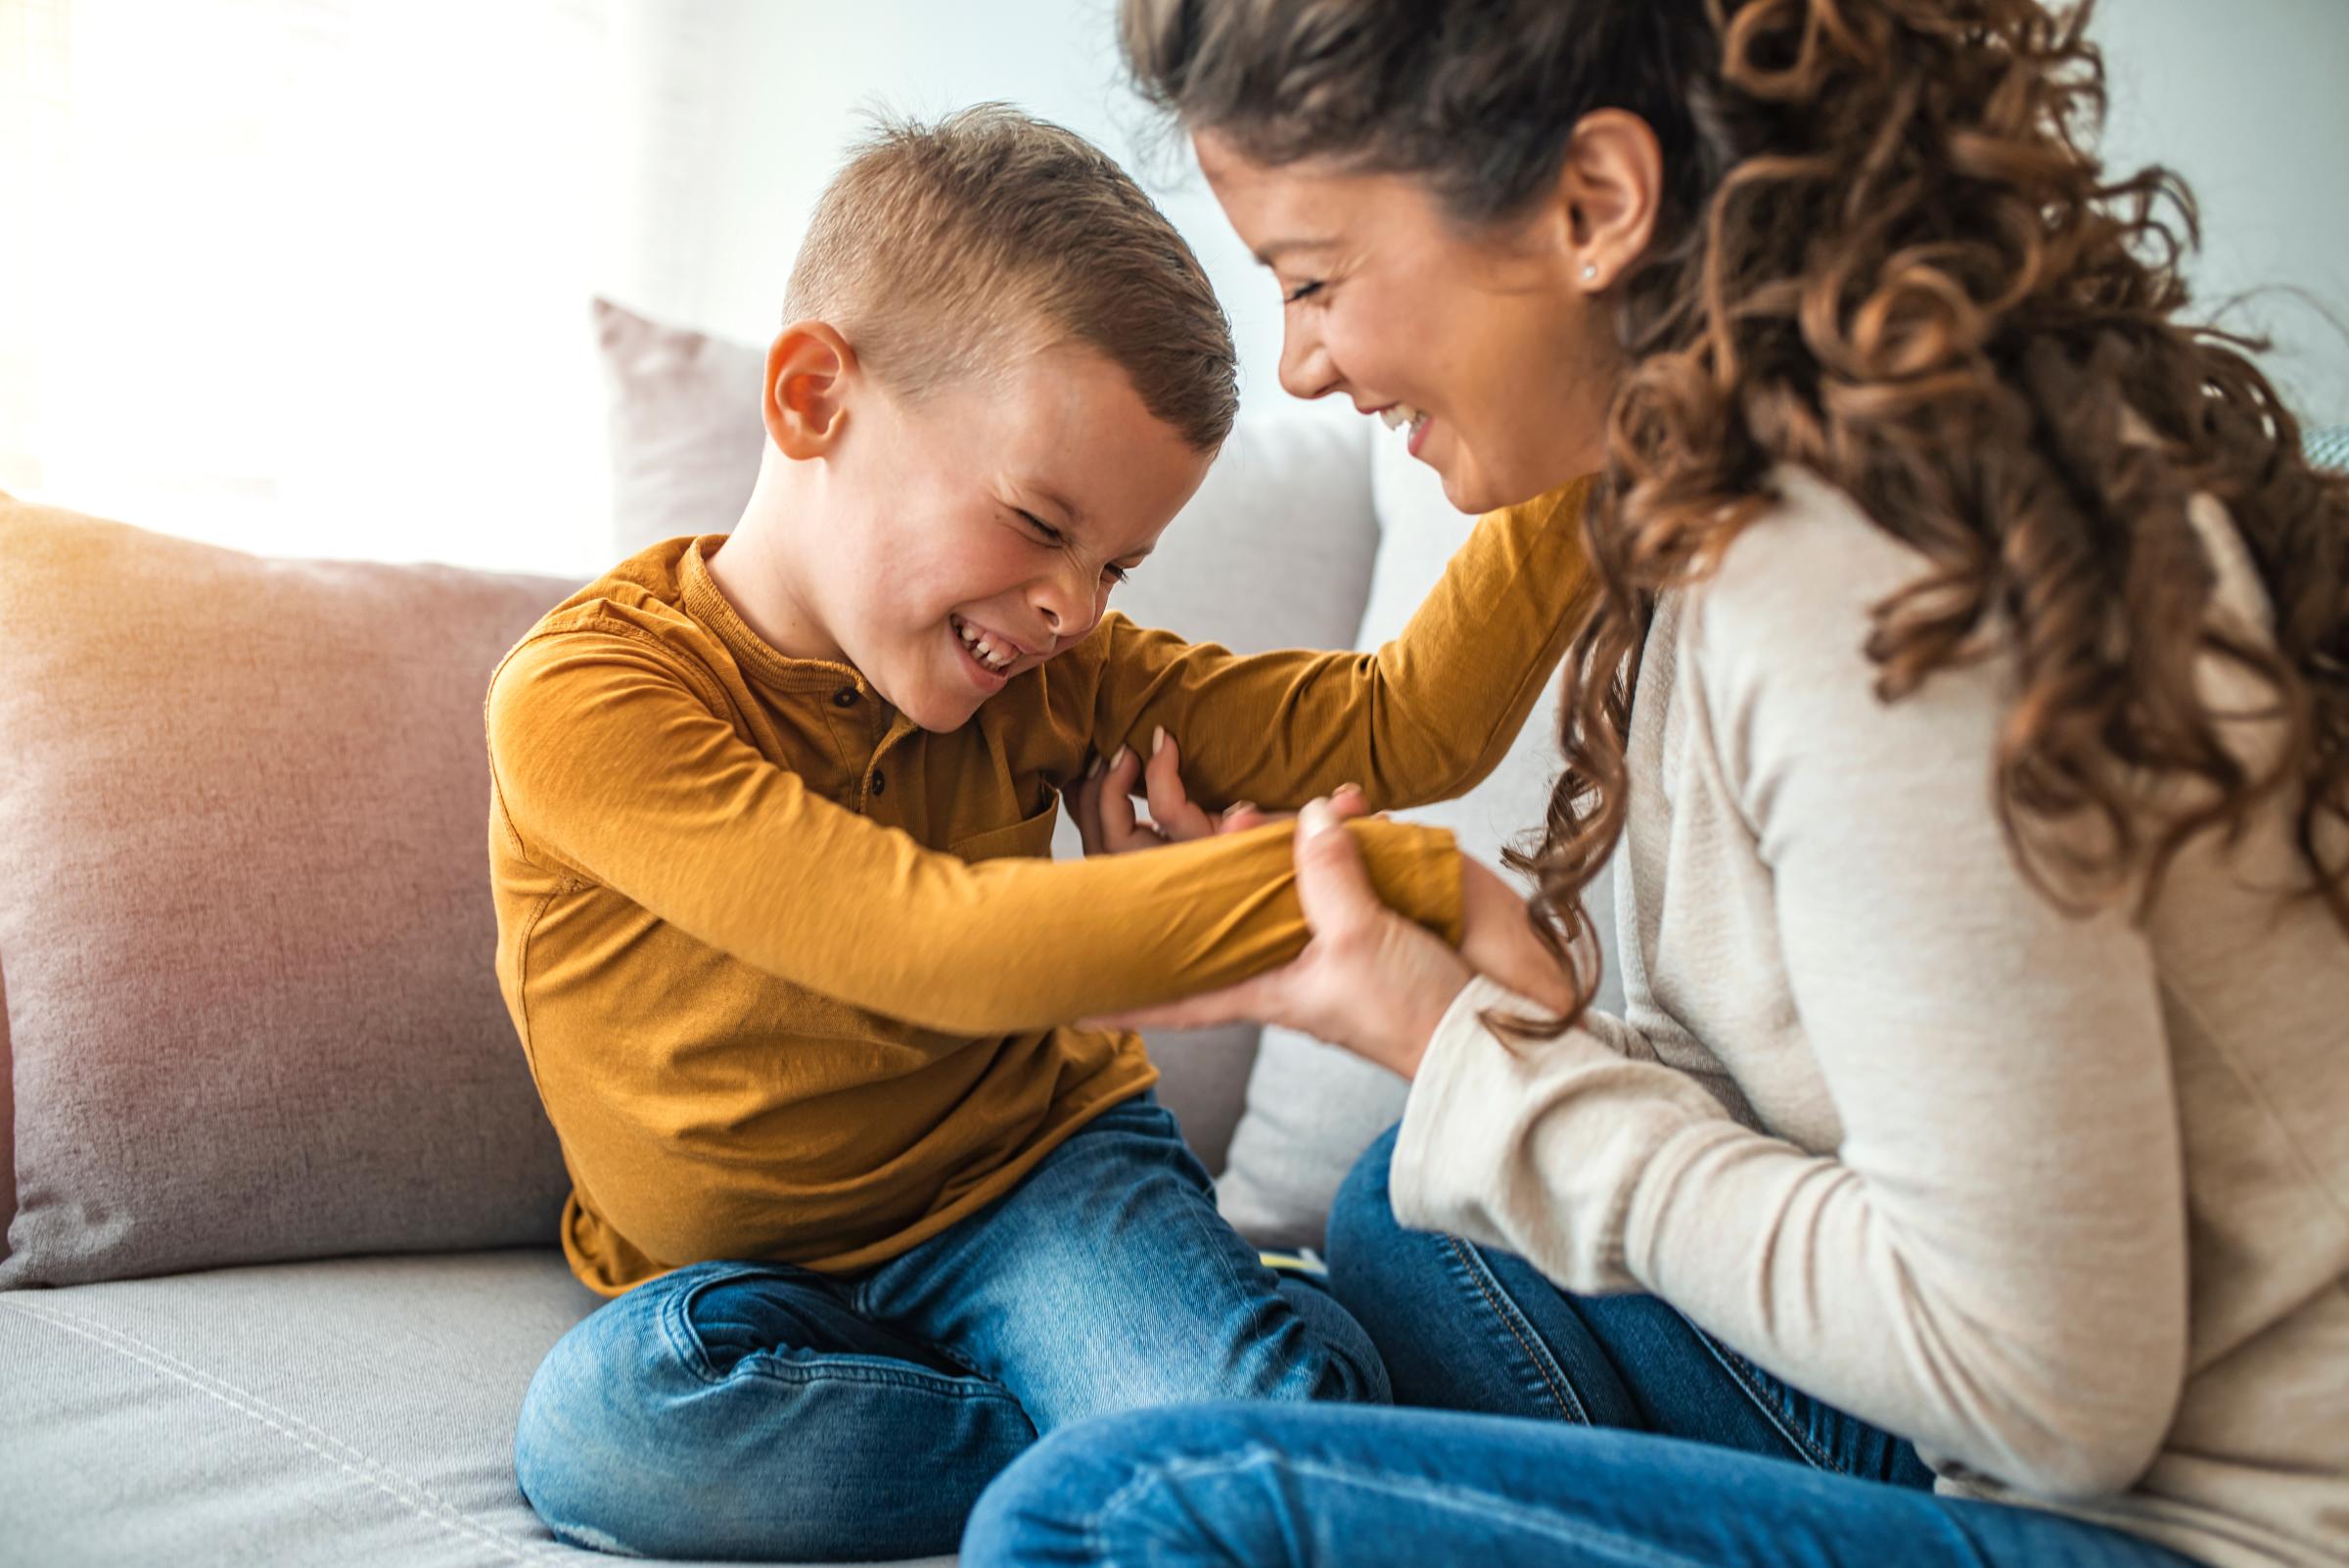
pixel 989 657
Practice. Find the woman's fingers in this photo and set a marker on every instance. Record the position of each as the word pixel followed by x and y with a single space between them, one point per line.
pixel 1107 821
pixel 1170 806
pixel 1119 826
pixel 1085 805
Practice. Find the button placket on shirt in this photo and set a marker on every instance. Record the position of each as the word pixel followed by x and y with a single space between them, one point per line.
pixel 876 771
pixel 854 720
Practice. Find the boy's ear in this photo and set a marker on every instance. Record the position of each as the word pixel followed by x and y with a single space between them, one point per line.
pixel 809 368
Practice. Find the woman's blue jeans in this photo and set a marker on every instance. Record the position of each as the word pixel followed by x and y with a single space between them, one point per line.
pixel 1582 1432
pixel 759 1411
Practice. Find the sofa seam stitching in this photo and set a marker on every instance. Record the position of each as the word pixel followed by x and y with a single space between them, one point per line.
pixel 421 1501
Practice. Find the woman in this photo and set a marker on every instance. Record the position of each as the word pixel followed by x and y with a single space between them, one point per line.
pixel 1968 1180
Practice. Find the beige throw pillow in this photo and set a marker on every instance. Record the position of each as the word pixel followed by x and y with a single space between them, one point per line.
pixel 245 925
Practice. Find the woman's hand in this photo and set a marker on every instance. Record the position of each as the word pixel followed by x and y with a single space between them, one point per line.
pixel 1102 802
pixel 1370 980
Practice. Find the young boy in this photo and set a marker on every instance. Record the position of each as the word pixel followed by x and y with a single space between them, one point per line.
pixel 779 931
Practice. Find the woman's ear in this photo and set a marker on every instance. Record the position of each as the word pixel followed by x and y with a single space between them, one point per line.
pixel 1609 189
pixel 810 367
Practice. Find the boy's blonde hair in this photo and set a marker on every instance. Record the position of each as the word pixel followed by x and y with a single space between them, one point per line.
pixel 940 251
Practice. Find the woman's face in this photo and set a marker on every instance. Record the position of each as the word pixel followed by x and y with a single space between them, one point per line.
pixel 1497 347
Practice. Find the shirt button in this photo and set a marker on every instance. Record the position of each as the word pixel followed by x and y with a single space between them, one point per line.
pixel 846 697
pixel 880 782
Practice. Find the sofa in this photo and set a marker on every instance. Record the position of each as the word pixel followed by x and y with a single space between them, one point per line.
pixel 280 1200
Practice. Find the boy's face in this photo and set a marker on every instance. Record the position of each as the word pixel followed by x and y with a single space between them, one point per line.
pixel 974 532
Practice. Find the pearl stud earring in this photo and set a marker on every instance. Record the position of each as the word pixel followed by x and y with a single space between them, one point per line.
pixel 1590 272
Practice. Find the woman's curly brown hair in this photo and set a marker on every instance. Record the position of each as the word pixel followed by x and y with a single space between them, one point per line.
pixel 1888 251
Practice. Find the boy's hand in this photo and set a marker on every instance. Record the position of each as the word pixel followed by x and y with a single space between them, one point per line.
pixel 1102 802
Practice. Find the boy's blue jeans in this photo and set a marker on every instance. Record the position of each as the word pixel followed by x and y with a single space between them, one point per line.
pixel 751 1410
pixel 1607 1433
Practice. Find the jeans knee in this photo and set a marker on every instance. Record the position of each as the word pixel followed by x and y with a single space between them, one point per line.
pixel 646 1433
pixel 1115 1489
pixel 1038 1512
pixel 553 1468
pixel 590 1438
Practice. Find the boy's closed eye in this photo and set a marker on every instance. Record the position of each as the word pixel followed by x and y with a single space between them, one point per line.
pixel 1050 535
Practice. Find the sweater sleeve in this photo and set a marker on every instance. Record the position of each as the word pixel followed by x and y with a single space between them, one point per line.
pixel 609 766
pixel 1993 1262
pixel 1423 718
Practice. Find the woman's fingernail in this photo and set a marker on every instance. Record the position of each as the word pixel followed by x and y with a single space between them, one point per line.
pixel 1125 756
pixel 1315 819
pixel 1349 789
pixel 1237 807
pixel 1099 762
pixel 1158 740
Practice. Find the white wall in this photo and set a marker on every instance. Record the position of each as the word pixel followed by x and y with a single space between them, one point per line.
pixel 2249 100
pixel 311 275
pixel 308 276
pixel 765 94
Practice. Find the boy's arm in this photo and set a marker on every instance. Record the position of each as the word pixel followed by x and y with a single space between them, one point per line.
pixel 1423 718
pixel 609 765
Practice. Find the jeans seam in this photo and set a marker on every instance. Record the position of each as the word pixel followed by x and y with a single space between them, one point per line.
pixel 1482 1502
pixel 1561 1388
pixel 859 1303
pixel 1740 1372
pixel 846 1366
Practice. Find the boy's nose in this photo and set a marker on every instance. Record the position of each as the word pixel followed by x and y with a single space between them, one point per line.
pixel 1065 614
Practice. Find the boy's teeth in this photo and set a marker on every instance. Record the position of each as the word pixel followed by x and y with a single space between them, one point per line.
pixel 980 643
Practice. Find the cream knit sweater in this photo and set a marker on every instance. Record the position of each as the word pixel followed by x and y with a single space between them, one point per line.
pixel 2065 1201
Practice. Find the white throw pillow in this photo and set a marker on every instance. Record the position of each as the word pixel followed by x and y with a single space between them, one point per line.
pixel 685 435
pixel 1313 1108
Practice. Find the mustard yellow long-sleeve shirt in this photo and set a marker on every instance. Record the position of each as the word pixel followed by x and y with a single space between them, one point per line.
pixel 793 976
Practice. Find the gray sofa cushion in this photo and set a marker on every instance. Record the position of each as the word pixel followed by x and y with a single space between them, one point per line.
pixel 247 923
pixel 359 1412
